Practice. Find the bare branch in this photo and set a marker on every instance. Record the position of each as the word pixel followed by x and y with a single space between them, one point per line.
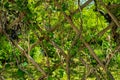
pixel 110 56
pixel 71 22
pixel 110 14
pixel 93 54
pixel 61 51
pixel 36 43
pixel 26 55
pixel 105 30
pixel 17 20
pixel 84 5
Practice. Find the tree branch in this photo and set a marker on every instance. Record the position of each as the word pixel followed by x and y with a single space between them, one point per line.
pixel 17 20
pixel 105 30
pixel 110 14
pixel 61 51
pixel 84 5
pixel 25 54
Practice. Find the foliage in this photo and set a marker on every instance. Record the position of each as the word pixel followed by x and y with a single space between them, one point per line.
pixel 56 36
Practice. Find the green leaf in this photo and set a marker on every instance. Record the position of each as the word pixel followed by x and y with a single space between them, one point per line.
pixel 7 66
pixel 50 78
pixel 24 64
pixel 64 6
pixel 20 73
pixel 61 73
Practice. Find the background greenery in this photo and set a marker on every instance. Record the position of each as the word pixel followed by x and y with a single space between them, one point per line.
pixel 57 40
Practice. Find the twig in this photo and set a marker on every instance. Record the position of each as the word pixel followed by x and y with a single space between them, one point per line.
pixel 105 30
pixel 98 60
pixel 109 56
pixel 93 54
pixel 26 55
pixel 17 20
pixel 110 14
pixel 84 5
pixel 61 51
pixel 69 19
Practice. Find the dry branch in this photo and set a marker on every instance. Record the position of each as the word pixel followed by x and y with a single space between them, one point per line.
pixel 93 54
pixel 110 14
pixel 84 5
pixel 105 30
pixel 25 54
pixel 110 56
pixel 57 47
pixel 17 20
pixel 71 22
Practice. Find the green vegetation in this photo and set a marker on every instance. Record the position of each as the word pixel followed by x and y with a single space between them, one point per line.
pixel 59 39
